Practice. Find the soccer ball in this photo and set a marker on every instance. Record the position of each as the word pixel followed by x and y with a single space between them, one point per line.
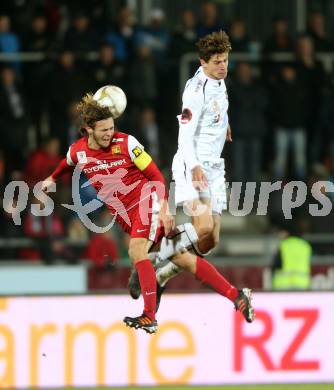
pixel 112 97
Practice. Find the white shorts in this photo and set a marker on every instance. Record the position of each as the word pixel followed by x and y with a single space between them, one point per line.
pixel 216 191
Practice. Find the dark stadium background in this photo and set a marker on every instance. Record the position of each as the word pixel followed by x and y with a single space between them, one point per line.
pixel 52 52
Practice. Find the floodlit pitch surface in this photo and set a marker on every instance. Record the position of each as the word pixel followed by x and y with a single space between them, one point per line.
pixel 313 386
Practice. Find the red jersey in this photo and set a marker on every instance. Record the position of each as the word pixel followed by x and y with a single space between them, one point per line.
pixel 124 176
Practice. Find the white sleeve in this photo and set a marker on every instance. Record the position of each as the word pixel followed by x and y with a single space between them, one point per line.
pixel 135 148
pixel 191 111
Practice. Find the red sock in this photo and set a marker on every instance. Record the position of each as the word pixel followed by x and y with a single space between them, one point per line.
pixel 148 286
pixel 208 274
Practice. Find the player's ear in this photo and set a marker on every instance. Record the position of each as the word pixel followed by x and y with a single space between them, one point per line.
pixel 202 61
pixel 89 129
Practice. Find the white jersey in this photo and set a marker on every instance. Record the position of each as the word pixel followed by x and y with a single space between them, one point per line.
pixel 204 120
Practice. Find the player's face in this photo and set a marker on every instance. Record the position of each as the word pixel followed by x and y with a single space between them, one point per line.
pixel 103 132
pixel 216 67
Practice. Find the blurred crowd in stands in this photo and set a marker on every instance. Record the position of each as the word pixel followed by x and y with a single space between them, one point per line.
pixel 281 112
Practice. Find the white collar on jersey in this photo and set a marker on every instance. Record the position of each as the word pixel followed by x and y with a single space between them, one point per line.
pixel 209 79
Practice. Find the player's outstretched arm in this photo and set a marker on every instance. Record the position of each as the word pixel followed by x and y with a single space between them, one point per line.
pixel 199 179
pixel 61 169
pixel 229 134
pixel 47 183
pixel 153 173
pixel 143 161
pixel 166 218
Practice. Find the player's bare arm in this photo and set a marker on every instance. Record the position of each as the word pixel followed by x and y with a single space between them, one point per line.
pixel 199 178
pixel 62 168
pixel 167 220
pixel 47 183
pixel 229 134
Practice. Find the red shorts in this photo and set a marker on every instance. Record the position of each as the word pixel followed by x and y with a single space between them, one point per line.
pixel 142 221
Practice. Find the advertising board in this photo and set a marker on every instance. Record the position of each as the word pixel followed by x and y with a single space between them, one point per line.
pixel 81 341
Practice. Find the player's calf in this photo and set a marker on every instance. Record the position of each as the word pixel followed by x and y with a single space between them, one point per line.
pixel 184 237
pixel 164 272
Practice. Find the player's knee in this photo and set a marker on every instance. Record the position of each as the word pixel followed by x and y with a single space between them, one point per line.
pixel 207 243
pixel 204 231
pixel 137 252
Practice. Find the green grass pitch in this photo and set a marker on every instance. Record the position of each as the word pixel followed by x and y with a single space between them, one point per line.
pixel 313 386
pixel 245 387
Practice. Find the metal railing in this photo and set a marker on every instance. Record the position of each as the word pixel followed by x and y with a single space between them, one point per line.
pixel 327 59
pixel 266 246
pixel 41 56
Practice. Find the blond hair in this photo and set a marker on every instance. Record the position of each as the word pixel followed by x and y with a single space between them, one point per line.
pixel 91 112
pixel 216 43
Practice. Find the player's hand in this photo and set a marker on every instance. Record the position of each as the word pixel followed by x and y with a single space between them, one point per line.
pixel 167 220
pixel 200 181
pixel 47 183
pixel 229 134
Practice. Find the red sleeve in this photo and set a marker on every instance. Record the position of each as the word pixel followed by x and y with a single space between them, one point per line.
pixel 153 173
pixel 62 168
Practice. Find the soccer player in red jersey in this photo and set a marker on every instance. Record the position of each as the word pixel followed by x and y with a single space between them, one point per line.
pixel 122 172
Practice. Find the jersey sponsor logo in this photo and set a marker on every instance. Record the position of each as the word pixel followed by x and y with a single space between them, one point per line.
pixel 186 116
pixel 117 140
pixel 100 167
pixel 82 158
pixel 137 151
pixel 116 149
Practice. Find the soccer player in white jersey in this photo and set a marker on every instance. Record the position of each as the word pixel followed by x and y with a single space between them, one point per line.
pixel 198 170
